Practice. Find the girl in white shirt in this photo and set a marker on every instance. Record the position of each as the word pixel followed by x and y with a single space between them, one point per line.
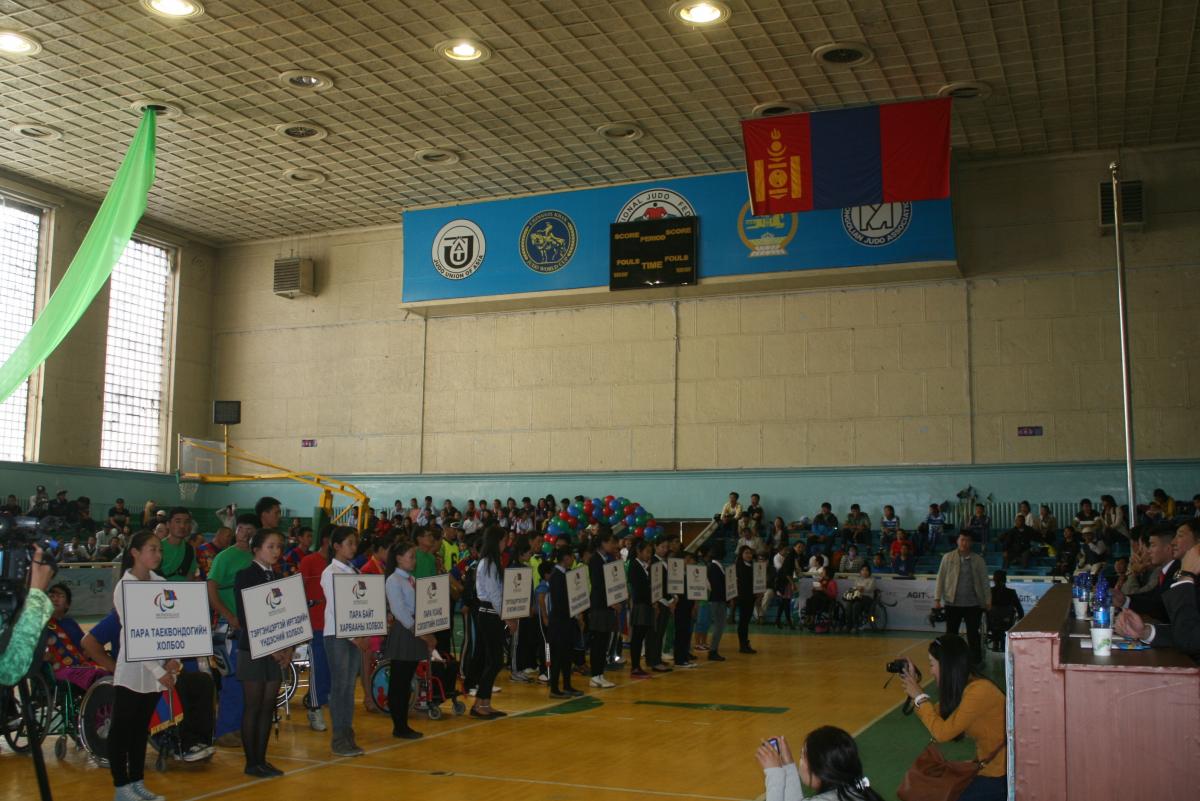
pixel 137 685
pixel 829 764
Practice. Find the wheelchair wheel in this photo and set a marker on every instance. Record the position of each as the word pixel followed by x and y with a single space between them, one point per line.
pixel 435 713
pixel 60 747
pixel 459 707
pixel 877 617
pixel 287 688
pixel 380 679
pixel 95 719
pixel 16 728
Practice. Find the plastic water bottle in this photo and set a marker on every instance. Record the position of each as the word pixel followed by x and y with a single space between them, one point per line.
pixel 1077 591
pixel 1102 605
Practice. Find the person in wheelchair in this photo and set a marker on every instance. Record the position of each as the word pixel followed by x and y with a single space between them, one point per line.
pixel 860 597
pixel 1005 611
pixel 195 688
pixel 819 606
pixel 64 638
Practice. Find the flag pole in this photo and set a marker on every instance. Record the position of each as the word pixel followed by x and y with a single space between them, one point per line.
pixel 1123 312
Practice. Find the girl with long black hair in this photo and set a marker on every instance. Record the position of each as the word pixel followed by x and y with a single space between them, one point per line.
pixel 137 685
pixel 829 764
pixel 967 704
pixel 403 648
pixel 489 628
pixel 745 598
pixel 260 678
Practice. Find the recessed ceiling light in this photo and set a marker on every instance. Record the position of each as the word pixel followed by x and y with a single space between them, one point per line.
pixel 436 156
pixel 463 50
pixel 700 13
pixel 174 9
pixel 843 54
pixel 162 108
pixel 306 80
pixel 35 130
pixel 775 108
pixel 301 131
pixel 18 44
pixel 303 175
pixel 621 131
pixel 966 90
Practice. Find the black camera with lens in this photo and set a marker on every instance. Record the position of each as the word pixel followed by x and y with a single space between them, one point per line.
pixel 937 616
pixel 18 538
pixel 898 666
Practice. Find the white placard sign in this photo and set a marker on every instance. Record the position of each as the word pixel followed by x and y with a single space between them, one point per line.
pixel 577 590
pixel 615 587
pixel 676 576
pixel 760 576
pixel 656 581
pixel 433 604
pixel 359 605
pixel 518 589
pixel 276 616
pixel 697 582
pixel 730 582
pixel 165 620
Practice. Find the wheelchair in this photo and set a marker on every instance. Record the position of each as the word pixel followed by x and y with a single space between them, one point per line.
pixel 872 615
pixel 427 694
pixel 831 618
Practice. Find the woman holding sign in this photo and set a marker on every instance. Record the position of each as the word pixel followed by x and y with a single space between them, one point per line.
pixel 403 648
pixel 138 685
pixel 489 588
pixel 260 678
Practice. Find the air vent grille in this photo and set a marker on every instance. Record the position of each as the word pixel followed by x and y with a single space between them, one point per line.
pixel 1133 208
pixel 293 276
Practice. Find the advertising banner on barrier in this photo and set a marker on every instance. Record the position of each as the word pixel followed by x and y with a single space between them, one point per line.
pixel 165 620
pixel 910 601
pixel 276 616
pixel 91 587
pixel 433 604
pixel 359 605
pixel 577 590
pixel 560 241
pixel 518 589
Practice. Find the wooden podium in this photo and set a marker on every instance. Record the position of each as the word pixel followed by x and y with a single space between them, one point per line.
pixel 1125 726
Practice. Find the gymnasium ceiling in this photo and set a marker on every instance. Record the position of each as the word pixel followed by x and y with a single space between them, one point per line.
pixel 1066 75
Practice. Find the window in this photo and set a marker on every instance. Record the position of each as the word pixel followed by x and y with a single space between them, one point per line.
pixel 131 436
pixel 20 231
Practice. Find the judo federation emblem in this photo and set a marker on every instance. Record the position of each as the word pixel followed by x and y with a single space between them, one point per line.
pixel 548 241
pixel 655 204
pixel 766 234
pixel 458 249
pixel 877 225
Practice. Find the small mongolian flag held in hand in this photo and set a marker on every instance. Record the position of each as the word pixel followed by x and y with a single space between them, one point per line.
pixel 852 157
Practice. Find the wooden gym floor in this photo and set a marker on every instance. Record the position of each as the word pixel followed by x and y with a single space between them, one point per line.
pixel 685 734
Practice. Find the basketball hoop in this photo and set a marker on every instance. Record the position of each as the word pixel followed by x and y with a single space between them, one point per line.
pixel 187 491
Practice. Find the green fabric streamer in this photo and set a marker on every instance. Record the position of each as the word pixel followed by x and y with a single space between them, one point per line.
pixel 103 245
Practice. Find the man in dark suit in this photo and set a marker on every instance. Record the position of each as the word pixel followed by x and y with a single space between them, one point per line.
pixel 563 631
pixel 1183 610
pixel 1162 567
pixel 662 611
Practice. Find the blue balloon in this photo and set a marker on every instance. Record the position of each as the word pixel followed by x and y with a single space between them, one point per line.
pixel 597 503
pixel 613 505
pixel 639 510
pixel 630 521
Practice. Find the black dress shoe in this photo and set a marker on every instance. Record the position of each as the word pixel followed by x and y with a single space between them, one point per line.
pixel 407 734
pixel 271 769
pixel 661 669
pixel 559 694
pixel 258 772
pixel 713 656
pixel 747 650
pixel 573 693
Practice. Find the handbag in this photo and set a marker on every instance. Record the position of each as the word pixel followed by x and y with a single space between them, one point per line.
pixel 932 777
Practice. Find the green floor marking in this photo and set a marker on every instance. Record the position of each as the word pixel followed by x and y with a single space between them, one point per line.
pixel 765 710
pixel 566 707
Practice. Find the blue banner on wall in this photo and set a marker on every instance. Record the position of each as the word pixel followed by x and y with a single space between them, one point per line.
pixel 548 243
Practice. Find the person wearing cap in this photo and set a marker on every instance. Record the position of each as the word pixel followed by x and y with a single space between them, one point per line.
pixel 60 506
pixel 39 501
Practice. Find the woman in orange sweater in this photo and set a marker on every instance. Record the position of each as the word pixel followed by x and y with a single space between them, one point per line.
pixel 967 704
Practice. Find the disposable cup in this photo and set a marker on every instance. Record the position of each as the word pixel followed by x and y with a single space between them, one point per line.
pixel 1080 609
pixel 1101 641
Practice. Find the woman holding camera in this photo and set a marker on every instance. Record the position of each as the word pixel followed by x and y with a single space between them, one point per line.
pixel 967 704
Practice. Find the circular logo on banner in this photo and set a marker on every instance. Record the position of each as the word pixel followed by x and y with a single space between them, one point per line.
pixel 458 249
pixel 548 241
pixel 655 204
pixel 877 225
pixel 768 234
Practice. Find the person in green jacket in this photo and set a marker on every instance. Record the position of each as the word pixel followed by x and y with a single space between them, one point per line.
pixel 22 639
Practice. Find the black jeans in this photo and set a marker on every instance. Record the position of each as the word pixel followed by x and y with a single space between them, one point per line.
pixel 683 632
pixel 654 639
pixel 562 644
pixel 490 630
pixel 637 640
pixel 972 615
pixel 128 734
pixel 745 608
pixel 399 692
pixel 599 641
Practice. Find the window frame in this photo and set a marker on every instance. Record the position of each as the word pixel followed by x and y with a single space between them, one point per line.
pixel 33 398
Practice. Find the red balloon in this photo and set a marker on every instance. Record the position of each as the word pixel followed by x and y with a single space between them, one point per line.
pixel 588 507
pixel 630 509
pixel 640 531
pixel 608 498
pixel 651 523
pixel 573 522
pixel 563 516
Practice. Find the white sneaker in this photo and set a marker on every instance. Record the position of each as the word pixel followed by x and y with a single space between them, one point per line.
pixel 140 790
pixel 601 682
pixel 126 793
pixel 495 690
pixel 543 678
pixel 530 671
pixel 316 721
pixel 471 692
pixel 196 753
pixel 436 657
pixel 521 677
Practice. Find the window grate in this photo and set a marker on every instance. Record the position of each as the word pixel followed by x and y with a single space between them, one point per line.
pixel 134 360
pixel 20 231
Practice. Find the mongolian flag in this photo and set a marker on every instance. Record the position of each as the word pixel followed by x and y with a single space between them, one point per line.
pixel 168 713
pixel 852 157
